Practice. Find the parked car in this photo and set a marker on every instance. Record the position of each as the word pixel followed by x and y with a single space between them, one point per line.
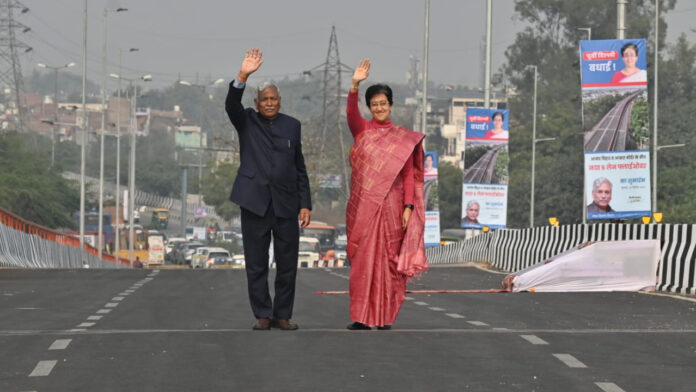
pixel 238 260
pixel 206 255
pixel 169 245
pixel 218 256
pixel 184 251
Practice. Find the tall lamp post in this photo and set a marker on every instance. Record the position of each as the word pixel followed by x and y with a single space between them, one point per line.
pixel 100 239
pixel 55 101
pixel 131 174
pixel 117 245
pixel 200 137
pixel 534 142
pixel 582 121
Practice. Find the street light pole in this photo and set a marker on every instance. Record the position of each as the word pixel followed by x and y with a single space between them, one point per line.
pixel 531 206
pixel 83 137
pixel 655 148
pixel 119 210
pixel 100 244
pixel 487 69
pixel 426 55
pixel 131 174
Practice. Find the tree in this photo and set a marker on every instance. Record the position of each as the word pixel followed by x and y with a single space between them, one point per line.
pixel 30 188
pixel 217 185
pixel 450 192
pixel 551 44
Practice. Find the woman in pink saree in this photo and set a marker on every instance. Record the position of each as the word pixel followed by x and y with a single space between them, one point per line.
pixel 385 216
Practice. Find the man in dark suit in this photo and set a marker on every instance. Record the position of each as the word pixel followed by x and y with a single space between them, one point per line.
pixel 271 188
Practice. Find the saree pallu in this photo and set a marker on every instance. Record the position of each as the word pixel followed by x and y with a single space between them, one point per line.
pixel 382 255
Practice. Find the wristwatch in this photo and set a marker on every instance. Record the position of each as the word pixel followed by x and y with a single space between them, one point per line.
pixel 410 206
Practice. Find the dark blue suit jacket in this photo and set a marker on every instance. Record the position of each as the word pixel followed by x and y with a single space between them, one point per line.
pixel 272 168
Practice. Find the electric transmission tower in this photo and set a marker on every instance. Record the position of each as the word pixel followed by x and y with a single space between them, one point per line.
pixel 332 124
pixel 10 67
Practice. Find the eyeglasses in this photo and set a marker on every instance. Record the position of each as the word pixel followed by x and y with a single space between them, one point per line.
pixel 379 104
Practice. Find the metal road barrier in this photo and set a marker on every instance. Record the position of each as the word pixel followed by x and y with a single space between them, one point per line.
pixel 515 249
pixel 24 244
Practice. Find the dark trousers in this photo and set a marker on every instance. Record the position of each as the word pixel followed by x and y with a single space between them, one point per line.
pixel 256 235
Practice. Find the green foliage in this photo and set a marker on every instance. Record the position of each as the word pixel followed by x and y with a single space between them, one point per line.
pixel 450 193
pixel 217 185
pixel 551 43
pixel 29 187
pixel 640 127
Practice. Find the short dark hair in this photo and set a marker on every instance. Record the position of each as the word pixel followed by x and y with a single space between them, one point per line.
pixel 629 45
pixel 378 89
pixel 502 116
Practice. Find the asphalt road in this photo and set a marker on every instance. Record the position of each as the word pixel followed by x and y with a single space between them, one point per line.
pixel 184 330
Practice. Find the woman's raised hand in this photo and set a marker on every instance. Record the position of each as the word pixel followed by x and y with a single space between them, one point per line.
pixel 361 72
pixel 252 61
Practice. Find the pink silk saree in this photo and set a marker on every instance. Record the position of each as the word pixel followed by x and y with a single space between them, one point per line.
pixel 382 255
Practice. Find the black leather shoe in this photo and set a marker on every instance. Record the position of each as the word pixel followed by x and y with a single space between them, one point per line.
pixel 384 328
pixel 263 324
pixel 356 326
pixel 285 325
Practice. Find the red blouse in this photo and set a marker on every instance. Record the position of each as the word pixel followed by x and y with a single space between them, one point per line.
pixel 357 124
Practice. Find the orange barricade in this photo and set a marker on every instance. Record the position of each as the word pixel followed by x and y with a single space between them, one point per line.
pixel 15 222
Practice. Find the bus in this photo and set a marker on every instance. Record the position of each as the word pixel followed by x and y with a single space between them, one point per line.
pixel 92 225
pixel 326 235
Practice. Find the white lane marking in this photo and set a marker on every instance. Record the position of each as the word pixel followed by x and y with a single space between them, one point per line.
pixel 455 315
pixel 103 311
pixel 609 387
pixel 129 291
pixel 570 360
pixel 77 330
pixel 28 308
pixel 409 298
pixel 533 339
pixel 43 368
pixel 60 344
pixel 436 309
pixel 117 298
pixel 94 318
pixel 111 305
pixel 86 325
pixel 421 303
pixel 477 323
pixel 500 329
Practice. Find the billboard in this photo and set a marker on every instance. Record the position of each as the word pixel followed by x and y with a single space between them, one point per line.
pixel 485 184
pixel 617 184
pixel 431 197
pixel 616 128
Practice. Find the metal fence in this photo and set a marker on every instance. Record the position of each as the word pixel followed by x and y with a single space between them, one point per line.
pixel 512 250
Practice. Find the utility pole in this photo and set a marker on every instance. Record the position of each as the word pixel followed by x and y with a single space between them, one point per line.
pixel 10 68
pixel 331 114
pixel 620 19
pixel 489 33
pixel 426 55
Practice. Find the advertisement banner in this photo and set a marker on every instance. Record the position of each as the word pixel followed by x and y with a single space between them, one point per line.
pixel 484 205
pixel 615 119
pixel 484 193
pixel 430 194
pixel 617 184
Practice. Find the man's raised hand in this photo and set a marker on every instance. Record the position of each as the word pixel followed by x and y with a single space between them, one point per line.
pixel 252 61
pixel 361 73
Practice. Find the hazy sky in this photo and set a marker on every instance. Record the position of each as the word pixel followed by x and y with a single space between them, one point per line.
pixel 209 37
